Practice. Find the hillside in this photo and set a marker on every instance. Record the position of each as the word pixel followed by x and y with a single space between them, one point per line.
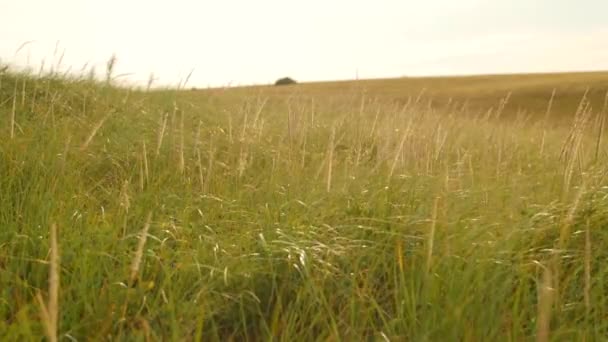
pixel 528 94
pixel 330 211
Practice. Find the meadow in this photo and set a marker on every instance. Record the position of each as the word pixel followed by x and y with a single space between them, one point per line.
pixel 410 209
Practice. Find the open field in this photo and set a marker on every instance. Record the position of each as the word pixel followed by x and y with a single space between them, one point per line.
pixel 368 210
pixel 528 94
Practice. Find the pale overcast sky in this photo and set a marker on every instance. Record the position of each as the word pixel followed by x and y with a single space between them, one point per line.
pixel 247 41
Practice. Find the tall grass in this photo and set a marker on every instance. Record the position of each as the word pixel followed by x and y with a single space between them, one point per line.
pixel 290 217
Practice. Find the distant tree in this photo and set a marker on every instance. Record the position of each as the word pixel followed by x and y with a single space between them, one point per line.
pixel 284 81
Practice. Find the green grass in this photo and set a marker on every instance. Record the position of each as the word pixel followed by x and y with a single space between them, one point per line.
pixel 337 211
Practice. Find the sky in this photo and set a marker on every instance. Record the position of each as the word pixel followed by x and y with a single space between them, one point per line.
pixel 242 42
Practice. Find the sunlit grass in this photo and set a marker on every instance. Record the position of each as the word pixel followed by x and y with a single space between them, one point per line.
pixel 299 213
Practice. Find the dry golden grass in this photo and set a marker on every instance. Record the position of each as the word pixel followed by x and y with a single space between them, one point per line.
pixel 49 312
pixel 528 94
pixel 545 303
pixel 406 209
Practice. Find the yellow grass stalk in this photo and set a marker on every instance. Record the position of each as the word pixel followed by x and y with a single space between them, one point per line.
pixel 502 105
pixel 546 119
pixel 66 149
pixel 84 105
pixel 142 181
pixel 54 279
pixel 419 97
pixel 587 286
pixel 545 303
pixel 125 202
pixel 145 160
pixel 499 159
pixel 303 142
pixel 330 158
pixel 94 132
pixel 431 237
pixel 564 233
pixel 199 165
pixel 33 97
pixel 256 119
pixel 245 123
pixel 440 140
pixel 209 169
pixel 23 92
pixel 243 155
pixel 13 110
pixel 49 312
pixel 373 129
pixel 230 136
pixel 290 130
pixel 564 236
pixel 312 113
pixel 161 133
pixel 398 153
pixel 182 162
pixel 570 152
pixel 197 137
pixel 139 252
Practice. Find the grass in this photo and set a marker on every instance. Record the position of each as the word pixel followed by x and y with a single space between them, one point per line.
pixel 368 210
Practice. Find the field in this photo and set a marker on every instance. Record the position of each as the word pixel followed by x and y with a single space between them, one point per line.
pixel 411 209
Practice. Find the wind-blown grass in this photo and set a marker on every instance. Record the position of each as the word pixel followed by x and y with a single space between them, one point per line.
pixel 293 216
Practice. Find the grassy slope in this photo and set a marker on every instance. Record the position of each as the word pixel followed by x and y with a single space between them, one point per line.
pixel 307 212
pixel 528 93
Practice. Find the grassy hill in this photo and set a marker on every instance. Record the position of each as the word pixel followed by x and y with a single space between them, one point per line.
pixel 527 94
pixel 328 211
